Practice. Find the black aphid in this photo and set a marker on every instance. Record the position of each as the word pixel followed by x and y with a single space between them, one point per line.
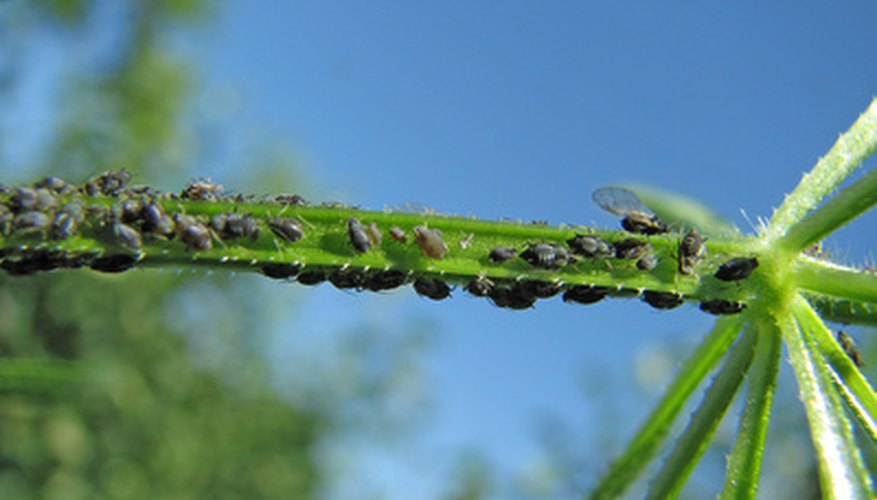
pixel 195 235
pixel 585 294
pixel 430 242
pixel 30 223
pixel 384 280
pixel 233 225
pixel 6 218
pixel 631 249
pixel 108 183
pixel 347 278
pixel 511 297
pixel 736 269
pixel 849 347
pixel 546 256
pixel 64 224
pixel 54 184
pixel 128 211
pixel 288 199
pixel 127 236
pixel 638 218
pixel 662 300
pixel 648 262
pixel 113 263
pixel 398 234
pixel 539 289
pixel 37 261
pixel 156 221
pixel 280 270
pixel 590 246
pixel 691 250
pixel 311 277
pixel 430 288
pixel 28 199
pixel 480 287
pixel 721 307
pixel 203 190
pixel 358 236
pixel 286 228
pixel 502 254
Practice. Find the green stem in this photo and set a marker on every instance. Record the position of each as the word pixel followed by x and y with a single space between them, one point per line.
pixel 840 282
pixel 706 419
pixel 744 463
pixel 650 436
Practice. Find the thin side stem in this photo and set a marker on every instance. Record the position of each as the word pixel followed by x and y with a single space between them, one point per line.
pixel 839 282
pixel 697 436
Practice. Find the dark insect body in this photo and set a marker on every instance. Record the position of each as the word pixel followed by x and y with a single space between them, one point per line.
pixel 590 246
pixel 430 288
pixel 539 289
pixel 721 307
pixel 127 236
pixel 637 217
pixel 113 263
pixel 64 225
pixel 662 300
pixel 849 347
pixel 691 250
pixel 31 222
pixel 546 256
pixel 736 269
pixel 647 262
pixel 347 278
pixel 108 183
pixel 156 221
pixel 28 199
pixel 585 294
pixel 430 242
pixel 280 270
pixel 288 199
pixel 311 277
pixel 398 234
pixel 6 218
pixel 480 287
pixel 195 235
pixel 502 254
pixel 233 225
pixel 201 190
pixel 631 249
pixel 286 228
pixel 37 261
pixel 384 280
pixel 358 236
pixel 511 297
pixel 54 184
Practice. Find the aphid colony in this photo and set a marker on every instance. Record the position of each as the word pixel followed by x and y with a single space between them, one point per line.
pixel 51 208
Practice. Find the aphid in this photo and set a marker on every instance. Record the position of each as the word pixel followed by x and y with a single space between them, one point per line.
pixel 585 294
pixel 480 287
pixel 502 254
pixel 108 183
pixel 430 242
pixel 849 347
pixel 32 263
pixel 539 289
pixel 430 288
pixel 288 199
pixel 647 262
pixel 234 225
pixel 736 269
pixel 286 228
pixel 374 233
pixel 280 270
pixel 631 249
pixel 546 256
pixel 357 235
pixel 28 199
pixel 6 218
pixel 511 297
pixel 30 222
pixel 195 235
pixel 113 263
pixel 590 246
pixel 127 236
pixel 55 184
pixel 347 278
pixel 662 300
pixel 398 234
pixel 691 250
pixel 156 221
pixel 202 190
pixel 63 225
pixel 721 307
pixel 638 218
pixel 384 280
pixel 311 277
pixel 129 211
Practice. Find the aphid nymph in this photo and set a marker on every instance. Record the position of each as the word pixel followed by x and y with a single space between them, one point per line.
pixel 398 234
pixel 691 250
pixel 736 269
pixel 590 246
pixel 662 300
pixel 286 228
pixel 430 288
pixel 721 307
pixel 631 249
pixel 502 254
pixel 849 347
pixel 430 242
pixel 358 236
pixel 195 235
pixel 546 256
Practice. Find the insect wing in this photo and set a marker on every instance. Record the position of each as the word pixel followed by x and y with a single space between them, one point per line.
pixel 619 201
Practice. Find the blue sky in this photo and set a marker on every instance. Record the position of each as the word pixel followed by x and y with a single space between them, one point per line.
pixel 520 110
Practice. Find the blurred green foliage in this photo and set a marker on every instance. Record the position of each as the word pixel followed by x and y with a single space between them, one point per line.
pixel 99 394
